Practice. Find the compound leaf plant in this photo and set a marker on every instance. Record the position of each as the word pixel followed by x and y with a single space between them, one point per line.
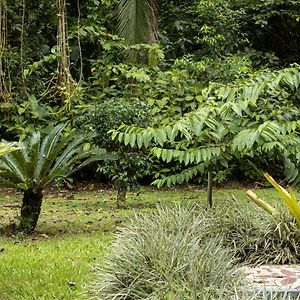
pixel 42 161
pixel 255 120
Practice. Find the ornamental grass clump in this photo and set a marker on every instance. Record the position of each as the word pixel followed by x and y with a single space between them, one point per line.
pixel 167 255
pixel 254 236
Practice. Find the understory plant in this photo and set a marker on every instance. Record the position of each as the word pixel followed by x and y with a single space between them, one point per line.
pixel 167 255
pixel 129 166
pixel 191 253
pixel 42 161
pixel 254 237
pixel 254 120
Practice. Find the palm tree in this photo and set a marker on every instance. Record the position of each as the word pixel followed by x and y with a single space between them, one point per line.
pixel 137 21
pixel 40 162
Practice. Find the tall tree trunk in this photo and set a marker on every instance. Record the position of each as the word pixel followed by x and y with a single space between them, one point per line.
pixel 3 30
pixel 137 24
pixel 209 189
pixel 31 209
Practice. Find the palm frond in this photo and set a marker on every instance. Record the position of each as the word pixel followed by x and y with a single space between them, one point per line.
pixel 46 157
pixel 6 147
pixel 137 21
pixel 14 165
pixel 69 152
pixel 7 172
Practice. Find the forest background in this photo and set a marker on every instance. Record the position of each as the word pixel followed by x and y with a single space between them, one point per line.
pixel 202 84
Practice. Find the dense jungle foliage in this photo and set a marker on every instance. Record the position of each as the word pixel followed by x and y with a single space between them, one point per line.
pixel 200 84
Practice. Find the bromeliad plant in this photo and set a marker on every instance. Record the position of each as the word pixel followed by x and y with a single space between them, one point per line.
pixel 42 161
pixel 289 198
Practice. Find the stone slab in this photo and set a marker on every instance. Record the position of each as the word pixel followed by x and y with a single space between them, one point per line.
pixel 282 280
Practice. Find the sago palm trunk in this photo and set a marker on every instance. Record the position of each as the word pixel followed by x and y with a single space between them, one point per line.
pixel 31 209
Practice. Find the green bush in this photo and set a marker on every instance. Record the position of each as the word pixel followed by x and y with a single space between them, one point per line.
pixel 166 255
pixel 254 121
pixel 99 119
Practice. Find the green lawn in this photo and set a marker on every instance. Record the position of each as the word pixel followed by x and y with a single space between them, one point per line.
pixel 72 236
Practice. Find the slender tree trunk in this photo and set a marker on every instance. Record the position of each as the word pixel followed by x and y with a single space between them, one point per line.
pixel 209 189
pixel 31 209
pixel 121 193
pixel 3 33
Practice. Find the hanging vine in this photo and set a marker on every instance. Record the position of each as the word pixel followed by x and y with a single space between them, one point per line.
pixel 66 82
pixel 5 85
pixel 79 41
pixel 22 46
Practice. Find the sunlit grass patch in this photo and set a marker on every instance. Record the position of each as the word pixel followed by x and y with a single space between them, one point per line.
pixel 43 268
pixel 75 231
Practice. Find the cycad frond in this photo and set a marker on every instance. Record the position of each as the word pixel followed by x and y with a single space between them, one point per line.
pixel 137 21
pixel 7 147
pixel 40 161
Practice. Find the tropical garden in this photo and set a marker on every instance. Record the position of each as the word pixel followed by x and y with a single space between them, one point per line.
pixel 149 149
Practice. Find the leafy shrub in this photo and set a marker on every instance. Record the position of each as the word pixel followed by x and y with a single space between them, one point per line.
pixel 99 119
pixel 222 69
pixel 255 120
pixel 166 255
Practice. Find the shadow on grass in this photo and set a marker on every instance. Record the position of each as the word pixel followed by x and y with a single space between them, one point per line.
pixel 83 213
pixel 95 211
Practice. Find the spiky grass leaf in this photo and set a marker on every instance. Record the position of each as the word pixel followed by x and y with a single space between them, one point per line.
pixel 167 256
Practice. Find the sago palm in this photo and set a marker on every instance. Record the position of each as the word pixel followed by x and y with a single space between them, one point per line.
pixel 40 162
pixel 6 147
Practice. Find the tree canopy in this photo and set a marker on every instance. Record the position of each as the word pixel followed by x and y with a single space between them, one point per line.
pixel 213 74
